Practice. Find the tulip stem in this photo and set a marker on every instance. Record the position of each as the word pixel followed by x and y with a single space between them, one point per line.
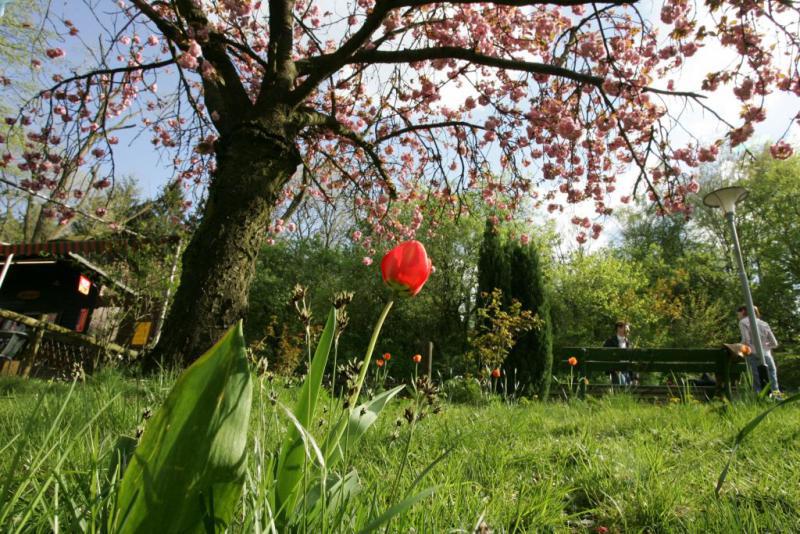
pixel 353 399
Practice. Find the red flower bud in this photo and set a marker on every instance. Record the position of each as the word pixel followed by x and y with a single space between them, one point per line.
pixel 573 361
pixel 387 356
pixel 496 373
pixel 406 268
pixel 379 362
pixel 416 358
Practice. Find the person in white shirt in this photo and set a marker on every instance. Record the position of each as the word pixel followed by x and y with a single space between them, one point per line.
pixel 768 342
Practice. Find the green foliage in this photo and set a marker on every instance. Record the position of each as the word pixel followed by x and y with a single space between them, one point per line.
pixel 498 329
pixel 440 313
pixel 744 432
pixel 291 459
pixel 464 390
pixel 768 223
pixel 769 227
pixel 531 358
pixel 186 474
pixel 543 467
pixel 517 271
pixel 493 266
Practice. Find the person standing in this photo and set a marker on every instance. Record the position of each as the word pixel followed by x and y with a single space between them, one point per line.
pixel 768 341
pixel 620 341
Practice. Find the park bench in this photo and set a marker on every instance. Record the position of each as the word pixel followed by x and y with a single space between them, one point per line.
pixel 719 363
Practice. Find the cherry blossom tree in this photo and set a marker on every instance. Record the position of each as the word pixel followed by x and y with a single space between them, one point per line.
pixel 373 103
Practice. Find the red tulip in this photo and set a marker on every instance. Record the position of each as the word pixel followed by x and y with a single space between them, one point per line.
pixel 406 268
pixel 416 358
pixel 387 356
pixel 379 362
pixel 573 361
pixel 495 373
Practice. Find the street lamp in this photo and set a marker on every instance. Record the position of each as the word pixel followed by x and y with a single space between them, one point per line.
pixel 727 198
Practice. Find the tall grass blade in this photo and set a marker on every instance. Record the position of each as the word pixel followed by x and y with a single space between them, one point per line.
pixel 749 427
pixel 396 510
pixel 291 459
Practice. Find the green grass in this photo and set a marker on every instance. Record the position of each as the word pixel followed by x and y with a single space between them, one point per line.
pixel 560 467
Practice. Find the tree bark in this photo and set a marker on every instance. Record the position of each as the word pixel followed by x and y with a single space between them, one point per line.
pixel 253 165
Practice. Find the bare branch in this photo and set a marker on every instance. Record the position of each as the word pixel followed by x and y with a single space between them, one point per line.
pixel 101 72
pixel 431 126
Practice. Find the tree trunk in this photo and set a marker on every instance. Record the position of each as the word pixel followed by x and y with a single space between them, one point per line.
pixel 253 165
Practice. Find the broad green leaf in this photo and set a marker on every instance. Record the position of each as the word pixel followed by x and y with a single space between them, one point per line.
pixel 749 427
pixel 186 474
pixel 361 418
pixel 398 509
pixel 291 460
pixel 338 492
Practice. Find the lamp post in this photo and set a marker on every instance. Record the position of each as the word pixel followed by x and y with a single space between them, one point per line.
pixel 727 198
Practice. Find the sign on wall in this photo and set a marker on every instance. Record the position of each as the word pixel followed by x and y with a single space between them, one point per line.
pixel 84 285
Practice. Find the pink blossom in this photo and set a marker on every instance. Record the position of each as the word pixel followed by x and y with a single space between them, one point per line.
pixel 745 90
pixel 781 150
pixel 742 134
pixel 54 53
pixel 708 154
pixel 524 239
pixel 152 40
pixel 187 61
pixel 100 212
pixel 357 235
pixel 366 260
pixel 194 49
pixel 568 128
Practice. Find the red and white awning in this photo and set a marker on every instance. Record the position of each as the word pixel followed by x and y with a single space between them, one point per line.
pixel 65 247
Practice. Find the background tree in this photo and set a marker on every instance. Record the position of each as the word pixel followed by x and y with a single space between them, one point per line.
pixel 564 88
pixel 493 266
pixel 443 313
pixel 768 226
pixel 531 358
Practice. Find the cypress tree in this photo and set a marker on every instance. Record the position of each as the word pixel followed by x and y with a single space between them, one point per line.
pixel 493 271
pixel 531 359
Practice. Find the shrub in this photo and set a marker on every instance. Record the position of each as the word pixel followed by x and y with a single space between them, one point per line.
pixel 464 390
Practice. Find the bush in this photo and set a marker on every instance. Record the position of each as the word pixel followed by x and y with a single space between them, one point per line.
pixel 788 370
pixel 464 390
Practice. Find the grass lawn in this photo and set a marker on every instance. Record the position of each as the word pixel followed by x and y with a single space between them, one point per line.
pixel 584 466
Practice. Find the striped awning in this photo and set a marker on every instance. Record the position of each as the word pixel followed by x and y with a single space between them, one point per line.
pixel 88 246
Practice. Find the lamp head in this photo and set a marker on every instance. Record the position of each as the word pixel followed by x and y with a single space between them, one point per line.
pixel 725 198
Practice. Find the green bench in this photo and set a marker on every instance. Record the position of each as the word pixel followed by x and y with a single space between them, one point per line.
pixel 725 367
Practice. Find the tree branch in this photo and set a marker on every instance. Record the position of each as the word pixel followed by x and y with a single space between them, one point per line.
pixel 311 118
pixel 514 3
pixel 334 62
pixel 454 52
pixel 281 71
pixel 431 126
pixel 101 72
